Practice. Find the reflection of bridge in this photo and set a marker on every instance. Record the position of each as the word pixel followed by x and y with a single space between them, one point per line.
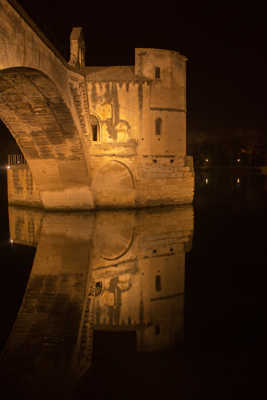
pixel 91 137
pixel 110 271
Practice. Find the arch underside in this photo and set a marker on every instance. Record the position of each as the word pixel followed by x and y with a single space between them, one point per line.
pixel 42 125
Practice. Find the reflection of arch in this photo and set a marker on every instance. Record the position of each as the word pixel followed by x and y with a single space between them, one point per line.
pixel 34 110
pixel 123 252
pixel 114 234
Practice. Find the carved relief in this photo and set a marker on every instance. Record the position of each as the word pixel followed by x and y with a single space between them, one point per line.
pixel 104 101
pixel 122 131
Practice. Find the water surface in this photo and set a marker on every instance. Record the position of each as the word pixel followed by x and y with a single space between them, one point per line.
pixel 141 303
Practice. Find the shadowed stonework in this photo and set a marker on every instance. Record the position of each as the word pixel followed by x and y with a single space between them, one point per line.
pixel 118 271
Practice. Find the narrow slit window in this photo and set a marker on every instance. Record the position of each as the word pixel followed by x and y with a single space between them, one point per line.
pixel 158 126
pixel 157 330
pixel 94 129
pixel 158 283
pixel 157 72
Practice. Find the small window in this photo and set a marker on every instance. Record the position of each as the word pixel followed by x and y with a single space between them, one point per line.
pixel 158 126
pixel 98 288
pixel 95 128
pixel 158 283
pixel 157 72
pixel 157 330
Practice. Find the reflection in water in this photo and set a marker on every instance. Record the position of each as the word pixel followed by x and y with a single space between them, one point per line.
pixel 120 271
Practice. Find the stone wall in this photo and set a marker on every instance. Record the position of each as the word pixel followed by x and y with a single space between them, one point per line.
pixel 119 183
pixel 131 163
pixel 22 189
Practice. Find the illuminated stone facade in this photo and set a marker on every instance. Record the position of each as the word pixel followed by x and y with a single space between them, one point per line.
pixel 92 137
pixel 138 144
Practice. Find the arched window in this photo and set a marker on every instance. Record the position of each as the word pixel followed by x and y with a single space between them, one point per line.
pixel 158 126
pixel 95 128
pixel 98 288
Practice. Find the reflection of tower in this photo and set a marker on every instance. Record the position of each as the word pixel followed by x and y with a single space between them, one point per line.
pixel 145 296
pixel 112 272
pixel 143 288
pixel 163 293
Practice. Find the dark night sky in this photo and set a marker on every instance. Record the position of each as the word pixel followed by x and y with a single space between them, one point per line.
pixel 224 44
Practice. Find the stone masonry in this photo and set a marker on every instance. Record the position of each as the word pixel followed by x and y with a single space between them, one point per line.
pixel 93 137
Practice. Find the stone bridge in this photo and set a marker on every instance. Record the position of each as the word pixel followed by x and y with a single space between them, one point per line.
pixel 45 103
pixel 37 105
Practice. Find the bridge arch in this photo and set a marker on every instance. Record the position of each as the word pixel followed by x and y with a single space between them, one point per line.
pixel 34 111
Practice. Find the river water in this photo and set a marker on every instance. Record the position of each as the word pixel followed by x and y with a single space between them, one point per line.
pixel 137 304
